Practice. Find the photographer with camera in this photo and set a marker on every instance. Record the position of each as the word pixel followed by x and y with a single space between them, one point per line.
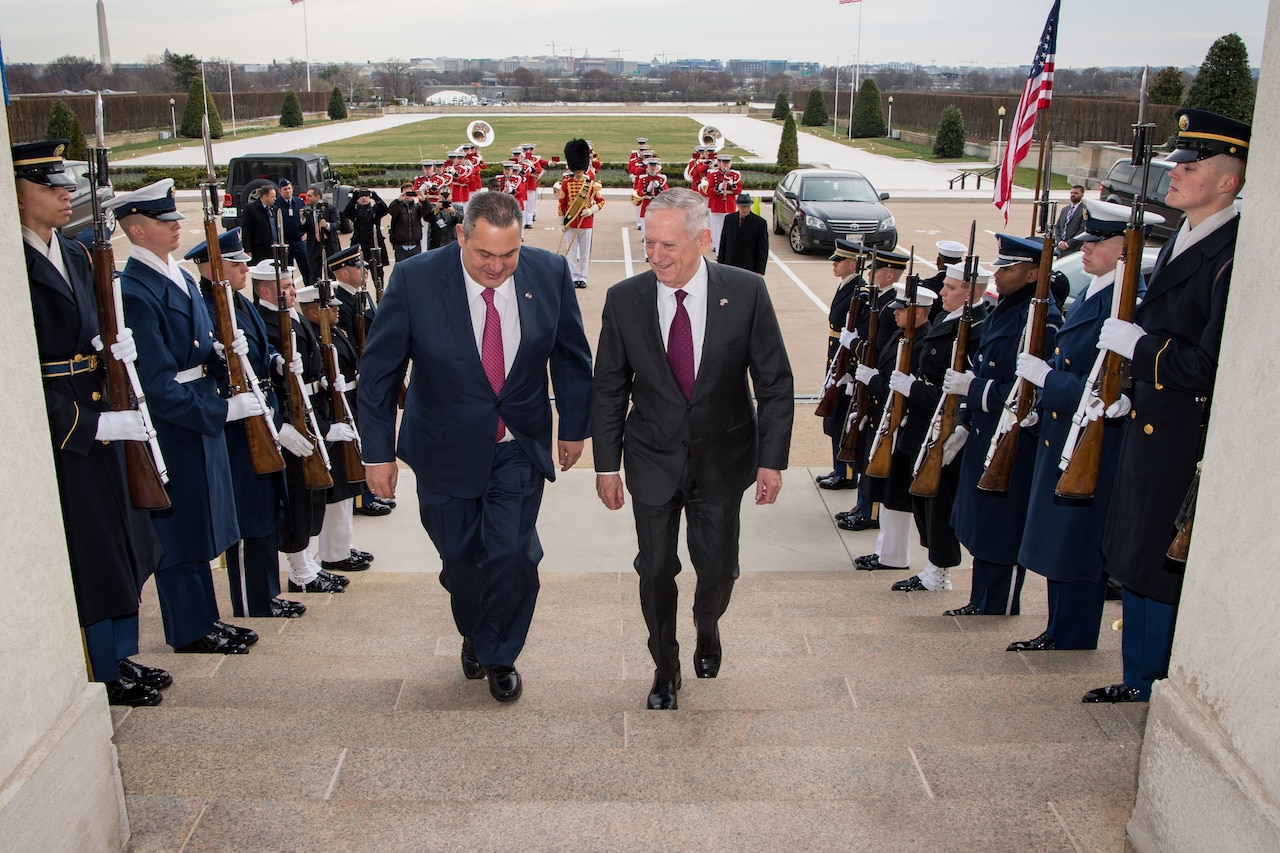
pixel 366 210
pixel 406 214
pixel 323 227
pixel 442 219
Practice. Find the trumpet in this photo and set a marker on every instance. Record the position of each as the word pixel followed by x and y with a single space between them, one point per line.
pixel 480 133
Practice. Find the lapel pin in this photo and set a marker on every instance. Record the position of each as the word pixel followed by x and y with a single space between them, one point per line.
pixel 528 295
pixel 724 302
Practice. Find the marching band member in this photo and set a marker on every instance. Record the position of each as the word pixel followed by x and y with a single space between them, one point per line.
pixel 645 189
pixel 579 199
pixel 721 186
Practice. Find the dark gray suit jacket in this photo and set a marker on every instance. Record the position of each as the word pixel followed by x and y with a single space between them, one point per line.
pixel 723 434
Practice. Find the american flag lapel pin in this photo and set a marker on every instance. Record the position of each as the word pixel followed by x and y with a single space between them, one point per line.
pixel 528 295
pixel 724 302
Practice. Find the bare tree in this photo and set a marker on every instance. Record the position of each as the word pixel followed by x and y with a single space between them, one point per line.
pixel 393 75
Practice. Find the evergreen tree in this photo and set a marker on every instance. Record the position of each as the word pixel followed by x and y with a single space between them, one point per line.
pixel 1224 84
pixel 950 139
pixel 197 100
pixel 815 111
pixel 337 106
pixel 185 67
pixel 868 112
pixel 63 124
pixel 789 147
pixel 1166 87
pixel 781 109
pixel 291 111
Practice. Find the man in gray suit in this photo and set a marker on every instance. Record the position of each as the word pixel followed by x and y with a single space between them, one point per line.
pixel 676 348
pixel 1070 224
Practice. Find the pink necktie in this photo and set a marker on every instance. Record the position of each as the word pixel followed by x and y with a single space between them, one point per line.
pixel 680 347
pixel 491 351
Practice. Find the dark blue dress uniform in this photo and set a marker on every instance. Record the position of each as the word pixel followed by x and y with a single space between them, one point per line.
pixel 294 221
pixel 990 525
pixel 836 319
pixel 174 334
pixel 893 491
pixel 112 547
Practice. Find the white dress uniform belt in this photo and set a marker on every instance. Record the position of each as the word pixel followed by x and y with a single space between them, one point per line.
pixel 191 374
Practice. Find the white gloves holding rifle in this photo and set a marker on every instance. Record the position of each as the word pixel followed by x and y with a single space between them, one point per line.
pixel 294 442
pixel 243 406
pixel 121 426
pixel 340 432
pixel 1120 337
pixel 954 382
pixel 123 350
pixel 1034 370
pixel 953 445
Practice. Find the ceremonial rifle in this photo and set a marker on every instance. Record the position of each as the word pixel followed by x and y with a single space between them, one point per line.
pixel 1082 453
pixel 260 430
pixel 851 435
pixel 352 463
pixel 315 468
pixel 1021 402
pixel 144 463
pixel 928 468
pixel 839 367
pixel 375 256
pixel 879 461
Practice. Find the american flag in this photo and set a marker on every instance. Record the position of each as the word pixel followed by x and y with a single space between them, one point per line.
pixel 1036 96
pixel 843 2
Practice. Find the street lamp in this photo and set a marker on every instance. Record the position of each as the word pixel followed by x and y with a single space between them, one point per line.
pixel 890 131
pixel 999 133
pixel 173 117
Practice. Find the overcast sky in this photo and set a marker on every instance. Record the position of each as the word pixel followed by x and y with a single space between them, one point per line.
pixel 981 32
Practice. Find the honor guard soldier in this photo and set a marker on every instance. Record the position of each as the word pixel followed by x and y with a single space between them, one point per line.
pixel 720 185
pixel 1172 347
pixel 178 366
pixel 537 165
pixel 253 563
pixel 303 513
pixel 579 199
pixel 292 216
pixel 844 266
pixel 338 531
pixel 990 524
pixel 646 188
pixel 924 394
pixel 949 252
pixel 111 546
pixel 1062 537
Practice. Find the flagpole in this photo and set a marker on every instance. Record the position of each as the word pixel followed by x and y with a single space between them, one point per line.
pixel 306 40
pixel 835 114
pixel 857 60
pixel 232 92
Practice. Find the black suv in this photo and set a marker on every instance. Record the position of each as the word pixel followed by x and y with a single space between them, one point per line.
pixel 246 174
pixel 815 206
pixel 1124 182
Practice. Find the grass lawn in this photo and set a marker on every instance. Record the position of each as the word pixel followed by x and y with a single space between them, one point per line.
pixel 673 138
pixel 243 131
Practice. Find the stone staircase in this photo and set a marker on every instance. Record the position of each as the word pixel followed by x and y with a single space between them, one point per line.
pixel 845 717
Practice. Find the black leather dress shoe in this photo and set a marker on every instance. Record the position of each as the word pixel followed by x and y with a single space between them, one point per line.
pixel 340 580
pixel 236 634
pixel 284 609
pixel 837 482
pixel 363 555
pixel 147 676
pixel 826 476
pixel 967 610
pixel 318 584
pixel 1115 592
pixel 662 696
pixel 504 683
pixel 871 563
pixel 706 657
pixel 213 643
pixel 374 508
pixel 1036 644
pixel 388 502
pixel 580 285
pixel 911 584
pixel 856 521
pixel 1113 693
pixel 126 692
pixel 350 564
pixel 471 667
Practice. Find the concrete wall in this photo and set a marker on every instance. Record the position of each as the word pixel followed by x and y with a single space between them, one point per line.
pixel 1210 770
pixel 59 782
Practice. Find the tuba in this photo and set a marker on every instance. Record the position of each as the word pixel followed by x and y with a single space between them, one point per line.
pixel 711 135
pixel 480 133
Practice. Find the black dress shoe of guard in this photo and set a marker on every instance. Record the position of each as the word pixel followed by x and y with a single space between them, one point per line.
pixel 471 667
pixel 706 657
pixel 236 634
pixel 911 584
pixel 147 676
pixel 363 555
pixel 826 476
pixel 350 564
pixel 374 508
pixel 837 482
pixel 1113 693
pixel 662 696
pixel 580 285
pixel 856 521
pixel 340 580
pixel 317 584
pixel 1115 592
pixel 873 564
pixel 213 643
pixel 1036 644
pixel 126 692
pixel 504 683
pixel 967 610
pixel 283 609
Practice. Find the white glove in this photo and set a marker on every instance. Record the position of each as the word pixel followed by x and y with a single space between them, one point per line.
pixel 295 366
pixel 1033 369
pixel 121 426
pixel 294 442
pixel 340 432
pixel 1118 409
pixel 240 344
pixel 954 382
pixel 123 350
pixel 278 365
pixel 864 374
pixel 243 406
pixel 901 382
pixel 1120 337
pixel 847 337
pixel 953 445
pixel 1030 420
pixel 340 384
pixel 591 211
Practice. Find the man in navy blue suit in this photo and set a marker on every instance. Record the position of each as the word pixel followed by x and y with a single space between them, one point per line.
pixel 481 320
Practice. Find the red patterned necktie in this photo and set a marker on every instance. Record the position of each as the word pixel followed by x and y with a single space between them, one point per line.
pixel 491 351
pixel 680 347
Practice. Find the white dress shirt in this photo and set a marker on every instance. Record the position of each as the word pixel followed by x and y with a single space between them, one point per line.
pixel 695 303
pixel 504 301
pixel 1188 236
pixel 166 266
pixel 51 250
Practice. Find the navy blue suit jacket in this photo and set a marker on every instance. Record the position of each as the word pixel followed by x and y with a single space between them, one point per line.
pixel 451 413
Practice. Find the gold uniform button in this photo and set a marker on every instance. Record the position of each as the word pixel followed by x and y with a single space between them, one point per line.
pixel 1054 415
pixel 96 395
pixel 197 343
pixel 1068 361
pixel 1057 351
pixel 1046 442
pixel 1159 387
pixel 991 364
pixel 1148 429
pixel 1133 414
